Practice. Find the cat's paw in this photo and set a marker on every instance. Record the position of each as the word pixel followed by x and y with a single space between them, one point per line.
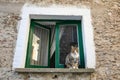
pixel 74 67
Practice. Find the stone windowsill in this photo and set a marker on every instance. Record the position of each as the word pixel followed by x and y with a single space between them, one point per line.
pixel 50 70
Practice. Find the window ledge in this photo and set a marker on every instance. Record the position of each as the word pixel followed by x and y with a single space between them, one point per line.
pixel 52 70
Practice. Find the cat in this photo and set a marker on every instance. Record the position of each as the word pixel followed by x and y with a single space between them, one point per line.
pixel 72 59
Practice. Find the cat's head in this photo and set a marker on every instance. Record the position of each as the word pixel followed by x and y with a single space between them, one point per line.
pixel 74 49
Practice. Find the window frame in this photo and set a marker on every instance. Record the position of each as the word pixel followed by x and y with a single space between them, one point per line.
pixel 57 57
pixel 29 46
pixel 80 44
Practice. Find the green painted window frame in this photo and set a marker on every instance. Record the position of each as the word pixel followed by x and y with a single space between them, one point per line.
pixel 58 22
pixel 29 48
pixel 80 43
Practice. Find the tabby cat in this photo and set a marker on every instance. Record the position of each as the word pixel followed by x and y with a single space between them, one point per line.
pixel 72 59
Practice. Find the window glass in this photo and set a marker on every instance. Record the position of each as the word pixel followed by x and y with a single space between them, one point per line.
pixel 68 37
pixel 49 44
pixel 40 47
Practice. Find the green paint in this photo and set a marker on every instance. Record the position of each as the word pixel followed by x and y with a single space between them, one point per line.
pixel 57 53
pixel 82 61
pixel 80 43
pixel 29 49
pixel 29 45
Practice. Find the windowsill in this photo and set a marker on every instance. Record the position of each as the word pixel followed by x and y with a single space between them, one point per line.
pixel 52 70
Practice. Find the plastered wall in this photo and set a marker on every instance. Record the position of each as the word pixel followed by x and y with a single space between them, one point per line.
pixel 106 23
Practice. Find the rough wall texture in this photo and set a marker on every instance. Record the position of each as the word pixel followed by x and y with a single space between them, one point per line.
pixel 8 34
pixel 7 74
pixel 106 23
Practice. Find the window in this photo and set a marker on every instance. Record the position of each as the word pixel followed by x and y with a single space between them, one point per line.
pixel 54 13
pixel 38 46
pixel 50 41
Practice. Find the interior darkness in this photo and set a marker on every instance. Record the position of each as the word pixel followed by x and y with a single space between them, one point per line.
pixel 68 39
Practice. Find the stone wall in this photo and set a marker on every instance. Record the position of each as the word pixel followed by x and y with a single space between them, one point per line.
pixel 8 74
pixel 106 23
pixel 8 35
